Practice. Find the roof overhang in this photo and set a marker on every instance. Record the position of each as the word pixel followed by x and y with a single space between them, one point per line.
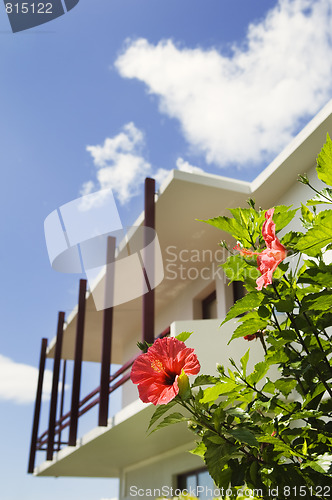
pixel 183 198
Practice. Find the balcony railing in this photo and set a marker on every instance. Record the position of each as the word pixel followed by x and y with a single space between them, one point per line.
pixel 51 440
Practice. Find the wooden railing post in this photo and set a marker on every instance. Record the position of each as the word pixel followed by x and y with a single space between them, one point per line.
pixel 77 365
pixel 62 401
pixel 148 298
pixel 55 387
pixel 35 425
pixel 107 335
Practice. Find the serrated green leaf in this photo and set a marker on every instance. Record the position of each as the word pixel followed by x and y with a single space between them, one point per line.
pixel 313 465
pixel 237 268
pixel 215 439
pixel 307 215
pixel 285 305
pixel 260 370
pixel 249 326
pixel 229 225
pixel 324 196
pixel 290 239
pixel 183 336
pixel 318 236
pixel 321 301
pixel 324 162
pixel 244 361
pixel 225 477
pixel 216 458
pixel 269 387
pixel 285 385
pixel 160 411
pixel 317 276
pixel 248 302
pixel 305 447
pixel 244 436
pixel 282 216
pixel 238 412
pixel 213 393
pixel 324 461
pixel 204 380
pixel 199 450
pixel 173 418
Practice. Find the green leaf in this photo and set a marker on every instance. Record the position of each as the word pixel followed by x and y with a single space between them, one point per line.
pixel 318 236
pixel 183 336
pixel 324 162
pixel 317 276
pixel 229 225
pixel 307 215
pixel 245 304
pixel 305 448
pixel 282 216
pixel 238 412
pixel 269 387
pixel 199 450
pixel 285 305
pixel 324 196
pixel 244 436
pixel 225 477
pixel 204 380
pixel 244 361
pixel 290 239
pixel 249 326
pixel 237 268
pixel 260 370
pixel 213 393
pixel 216 458
pixel 321 301
pixel 285 385
pixel 215 439
pixel 160 411
pixel 324 461
pixel 173 418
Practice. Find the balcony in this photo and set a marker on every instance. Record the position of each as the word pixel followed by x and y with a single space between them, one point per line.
pixel 106 450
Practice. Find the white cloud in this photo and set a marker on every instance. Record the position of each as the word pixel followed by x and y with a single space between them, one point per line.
pixel 18 382
pixel 243 108
pixel 120 164
pixel 185 166
pixel 181 164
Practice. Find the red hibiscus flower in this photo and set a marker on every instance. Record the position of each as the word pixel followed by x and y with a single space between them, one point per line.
pixel 156 372
pixel 269 259
pixel 275 252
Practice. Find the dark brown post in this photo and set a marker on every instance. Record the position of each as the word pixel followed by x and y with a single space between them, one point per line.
pixel 35 426
pixel 75 397
pixel 55 387
pixel 62 401
pixel 107 337
pixel 148 298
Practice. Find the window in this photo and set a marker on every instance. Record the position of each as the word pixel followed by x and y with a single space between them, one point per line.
pixel 209 306
pixel 238 290
pixel 191 480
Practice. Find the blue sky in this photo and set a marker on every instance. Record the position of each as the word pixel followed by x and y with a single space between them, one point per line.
pixel 101 97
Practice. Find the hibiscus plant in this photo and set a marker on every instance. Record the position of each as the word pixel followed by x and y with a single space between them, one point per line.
pixel 271 434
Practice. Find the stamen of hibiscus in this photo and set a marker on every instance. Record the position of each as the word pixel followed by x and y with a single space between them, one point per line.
pixel 157 366
pixel 245 251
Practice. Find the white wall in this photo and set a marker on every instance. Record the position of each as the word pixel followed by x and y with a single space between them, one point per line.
pixel 161 471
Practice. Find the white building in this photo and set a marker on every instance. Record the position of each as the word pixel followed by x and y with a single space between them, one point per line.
pixel 193 296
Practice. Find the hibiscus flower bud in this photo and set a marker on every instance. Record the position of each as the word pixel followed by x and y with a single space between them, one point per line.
pixel 184 386
pixel 251 336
